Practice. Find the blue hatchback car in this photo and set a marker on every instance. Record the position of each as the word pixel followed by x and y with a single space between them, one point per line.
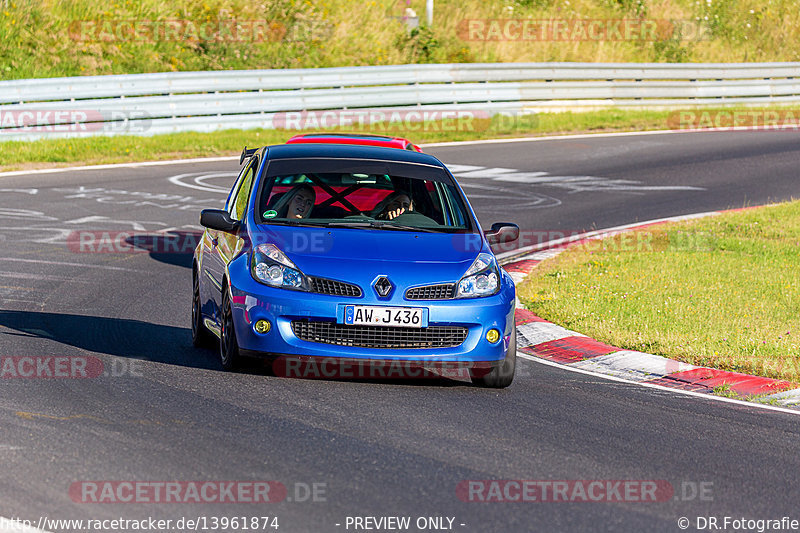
pixel 353 253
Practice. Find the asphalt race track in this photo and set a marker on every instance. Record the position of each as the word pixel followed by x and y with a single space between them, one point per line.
pixel 166 411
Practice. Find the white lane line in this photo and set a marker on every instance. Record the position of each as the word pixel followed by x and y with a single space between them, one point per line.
pixel 660 387
pixel 119 165
pixel 11 525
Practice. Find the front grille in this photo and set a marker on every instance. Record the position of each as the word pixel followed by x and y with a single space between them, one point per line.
pixel 432 292
pixel 333 287
pixel 379 336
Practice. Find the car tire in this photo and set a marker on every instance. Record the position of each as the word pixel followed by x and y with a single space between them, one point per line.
pixel 201 337
pixel 502 375
pixel 229 355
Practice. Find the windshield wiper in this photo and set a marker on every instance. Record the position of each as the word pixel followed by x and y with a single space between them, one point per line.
pixel 392 225
pixel 297 222
pixel 379 224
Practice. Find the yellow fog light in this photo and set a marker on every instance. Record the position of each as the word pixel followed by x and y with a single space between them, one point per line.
pixel 492 336
pixel 263 326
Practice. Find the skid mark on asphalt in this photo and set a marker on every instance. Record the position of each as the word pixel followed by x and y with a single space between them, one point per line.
pixel 135 421
pixel 33 416
pixel 25 214
pixel 136 198
pixel 41 277
pixel 16 288
pixel 137 225
pixel 197 181
pixel 507 199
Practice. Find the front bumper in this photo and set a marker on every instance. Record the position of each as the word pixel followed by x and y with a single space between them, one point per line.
pixel 253 301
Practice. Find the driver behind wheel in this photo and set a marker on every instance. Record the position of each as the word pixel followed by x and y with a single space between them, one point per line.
pixel 393 206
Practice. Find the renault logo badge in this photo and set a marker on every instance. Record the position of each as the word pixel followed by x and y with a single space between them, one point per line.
pixel 382 286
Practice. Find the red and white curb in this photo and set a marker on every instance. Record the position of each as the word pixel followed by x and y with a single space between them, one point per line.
pixel 543 341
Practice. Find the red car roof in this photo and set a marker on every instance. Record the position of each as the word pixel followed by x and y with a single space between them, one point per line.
pixel 355 138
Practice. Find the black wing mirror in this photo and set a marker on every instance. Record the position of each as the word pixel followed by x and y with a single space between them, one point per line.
pixel 502 232
pixel 219 220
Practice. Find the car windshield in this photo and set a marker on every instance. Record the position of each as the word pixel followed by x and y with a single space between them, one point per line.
pixel 362 200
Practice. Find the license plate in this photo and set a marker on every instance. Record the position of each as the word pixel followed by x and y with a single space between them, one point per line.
pixel 369 315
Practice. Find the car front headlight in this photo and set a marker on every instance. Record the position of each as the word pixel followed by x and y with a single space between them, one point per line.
pixel 482 278
pixel 269 265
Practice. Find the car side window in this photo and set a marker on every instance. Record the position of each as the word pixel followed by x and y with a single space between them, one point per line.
pixel 239 203
pixel 235 188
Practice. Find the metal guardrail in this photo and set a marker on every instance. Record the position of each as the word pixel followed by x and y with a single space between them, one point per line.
pixel 148 104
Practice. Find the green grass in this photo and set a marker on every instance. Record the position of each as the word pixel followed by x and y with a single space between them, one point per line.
pixel 99 150
pixel 42 38
pixel 721 292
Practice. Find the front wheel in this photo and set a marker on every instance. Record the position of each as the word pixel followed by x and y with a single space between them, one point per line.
pixel 228 347
pixel 502 375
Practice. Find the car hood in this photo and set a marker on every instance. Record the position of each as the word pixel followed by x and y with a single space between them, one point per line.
pixel 359 255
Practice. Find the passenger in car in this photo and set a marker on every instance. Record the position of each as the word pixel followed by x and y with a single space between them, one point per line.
pixel 297 203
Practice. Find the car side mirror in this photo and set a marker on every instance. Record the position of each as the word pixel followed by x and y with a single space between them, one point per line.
pixel 219 220
pixel 502 232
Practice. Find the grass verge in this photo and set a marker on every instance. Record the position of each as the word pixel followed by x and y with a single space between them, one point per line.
pixel 122 149
pixel 49 38
pixel 721 292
